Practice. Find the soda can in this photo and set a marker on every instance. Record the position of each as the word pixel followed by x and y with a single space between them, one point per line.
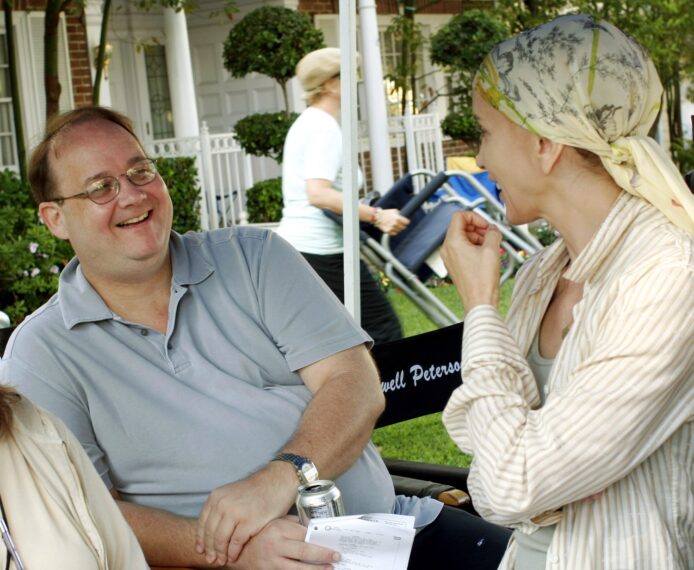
pixel 318 500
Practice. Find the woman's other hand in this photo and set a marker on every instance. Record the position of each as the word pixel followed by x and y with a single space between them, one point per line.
pixel 391 222
pixel 472 258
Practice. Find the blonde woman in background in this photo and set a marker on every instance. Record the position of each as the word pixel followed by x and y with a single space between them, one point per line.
pixel 55 512
pixel 579 408
pixel 312 181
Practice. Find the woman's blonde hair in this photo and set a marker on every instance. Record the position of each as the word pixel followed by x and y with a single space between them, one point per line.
pixel 8 397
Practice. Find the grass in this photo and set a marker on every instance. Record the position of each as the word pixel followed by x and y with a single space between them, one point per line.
pixel 425 439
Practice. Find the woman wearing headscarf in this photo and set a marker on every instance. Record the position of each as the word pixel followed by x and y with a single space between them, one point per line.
pixel 312 182
pixel 579 409
pixel 55 512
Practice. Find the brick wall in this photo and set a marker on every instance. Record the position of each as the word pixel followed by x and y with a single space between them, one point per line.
pixel 77 46
pixel 79 60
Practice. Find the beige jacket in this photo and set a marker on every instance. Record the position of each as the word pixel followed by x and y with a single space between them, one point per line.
pixel 619 416
pixel 60 514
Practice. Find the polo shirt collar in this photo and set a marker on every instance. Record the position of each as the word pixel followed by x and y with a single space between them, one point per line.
pixel 80 303
pixel 188 262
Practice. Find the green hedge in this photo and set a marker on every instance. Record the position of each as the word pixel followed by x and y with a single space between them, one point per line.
pixel 181 177
pixel 264 201
pixel 30 257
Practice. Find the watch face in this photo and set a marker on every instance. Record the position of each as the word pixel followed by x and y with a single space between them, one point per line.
pixel 309 472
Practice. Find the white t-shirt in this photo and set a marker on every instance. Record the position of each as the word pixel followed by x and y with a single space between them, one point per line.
pixel 312 150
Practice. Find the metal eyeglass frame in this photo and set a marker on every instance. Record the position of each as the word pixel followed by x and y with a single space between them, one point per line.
pixel 99 184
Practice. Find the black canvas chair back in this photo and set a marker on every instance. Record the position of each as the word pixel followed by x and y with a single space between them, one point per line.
pixel 419 373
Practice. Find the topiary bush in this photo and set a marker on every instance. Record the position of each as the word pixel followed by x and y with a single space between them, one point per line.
pixel 181 177
pixel 263 134
pixel 264 201
pixel 270 40
pixel 459 47
pixel 31 258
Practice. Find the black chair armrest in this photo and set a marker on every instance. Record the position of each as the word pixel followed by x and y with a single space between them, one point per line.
pixel 420 488
pixel 443 474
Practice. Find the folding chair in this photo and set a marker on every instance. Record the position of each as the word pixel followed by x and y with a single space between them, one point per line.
pixel 418 375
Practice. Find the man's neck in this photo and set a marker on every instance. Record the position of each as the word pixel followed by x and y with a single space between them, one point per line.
pixel 143 299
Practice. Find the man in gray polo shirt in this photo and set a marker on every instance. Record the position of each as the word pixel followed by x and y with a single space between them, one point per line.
pixel 184 363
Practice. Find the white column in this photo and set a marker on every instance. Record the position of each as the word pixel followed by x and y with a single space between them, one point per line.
pixel 180 69
pixel 379 140
pixel 92 17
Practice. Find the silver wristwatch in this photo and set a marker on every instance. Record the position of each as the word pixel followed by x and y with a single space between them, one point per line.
pixel 306 471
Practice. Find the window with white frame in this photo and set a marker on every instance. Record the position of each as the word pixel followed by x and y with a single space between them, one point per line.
pixel 391 57
pixel 391 54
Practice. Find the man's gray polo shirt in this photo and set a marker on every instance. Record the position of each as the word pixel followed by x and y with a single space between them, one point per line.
pixel 167 418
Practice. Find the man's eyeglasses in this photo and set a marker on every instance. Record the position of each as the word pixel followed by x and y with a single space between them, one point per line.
pixel 106 189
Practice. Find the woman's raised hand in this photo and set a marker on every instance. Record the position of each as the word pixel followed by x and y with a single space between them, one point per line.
pixel 472 258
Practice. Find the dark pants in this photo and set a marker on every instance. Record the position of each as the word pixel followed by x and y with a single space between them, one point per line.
pixel 377 316
pixel 457 539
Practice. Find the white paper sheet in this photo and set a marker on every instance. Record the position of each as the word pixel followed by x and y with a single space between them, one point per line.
pixel 366 542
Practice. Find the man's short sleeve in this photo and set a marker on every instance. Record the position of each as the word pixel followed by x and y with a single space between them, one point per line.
pixel 305 318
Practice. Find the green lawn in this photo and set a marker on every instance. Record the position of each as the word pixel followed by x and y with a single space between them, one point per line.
pixel 425 439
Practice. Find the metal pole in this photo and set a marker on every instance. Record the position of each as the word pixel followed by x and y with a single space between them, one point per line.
pixel 348 111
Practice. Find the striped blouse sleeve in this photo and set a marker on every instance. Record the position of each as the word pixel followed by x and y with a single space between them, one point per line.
pixel 618 406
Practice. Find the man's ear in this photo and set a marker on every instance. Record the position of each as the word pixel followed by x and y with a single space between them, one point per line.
pixel 549 153
pixel 52 215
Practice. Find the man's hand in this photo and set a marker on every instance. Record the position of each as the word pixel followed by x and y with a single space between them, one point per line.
pixel 471 255
pixel 391 222
pixel 280 546
pixel 235 513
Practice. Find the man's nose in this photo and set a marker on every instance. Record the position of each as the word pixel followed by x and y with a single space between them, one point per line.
pixel 130 193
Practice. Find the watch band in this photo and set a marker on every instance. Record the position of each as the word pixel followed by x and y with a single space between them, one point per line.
pixel 306 470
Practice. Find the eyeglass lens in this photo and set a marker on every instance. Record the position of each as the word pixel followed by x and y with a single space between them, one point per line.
pixel 106 189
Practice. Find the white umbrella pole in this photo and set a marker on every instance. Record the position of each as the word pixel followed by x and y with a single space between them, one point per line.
pixel 350 196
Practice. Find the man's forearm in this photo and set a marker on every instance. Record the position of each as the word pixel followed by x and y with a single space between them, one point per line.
pixel 337 424
pixel 165 538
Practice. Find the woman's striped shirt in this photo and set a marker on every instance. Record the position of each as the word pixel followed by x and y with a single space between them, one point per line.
pixel 619 417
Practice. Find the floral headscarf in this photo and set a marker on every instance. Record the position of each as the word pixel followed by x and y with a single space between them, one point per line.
pixel 586 84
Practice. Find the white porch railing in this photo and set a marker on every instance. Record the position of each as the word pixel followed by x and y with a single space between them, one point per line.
pixel 226 171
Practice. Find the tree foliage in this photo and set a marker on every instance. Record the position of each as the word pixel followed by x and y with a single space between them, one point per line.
pixel 665 28
pixel 520 15
pixel 270 40
pixel 409 39
pixel 459 47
